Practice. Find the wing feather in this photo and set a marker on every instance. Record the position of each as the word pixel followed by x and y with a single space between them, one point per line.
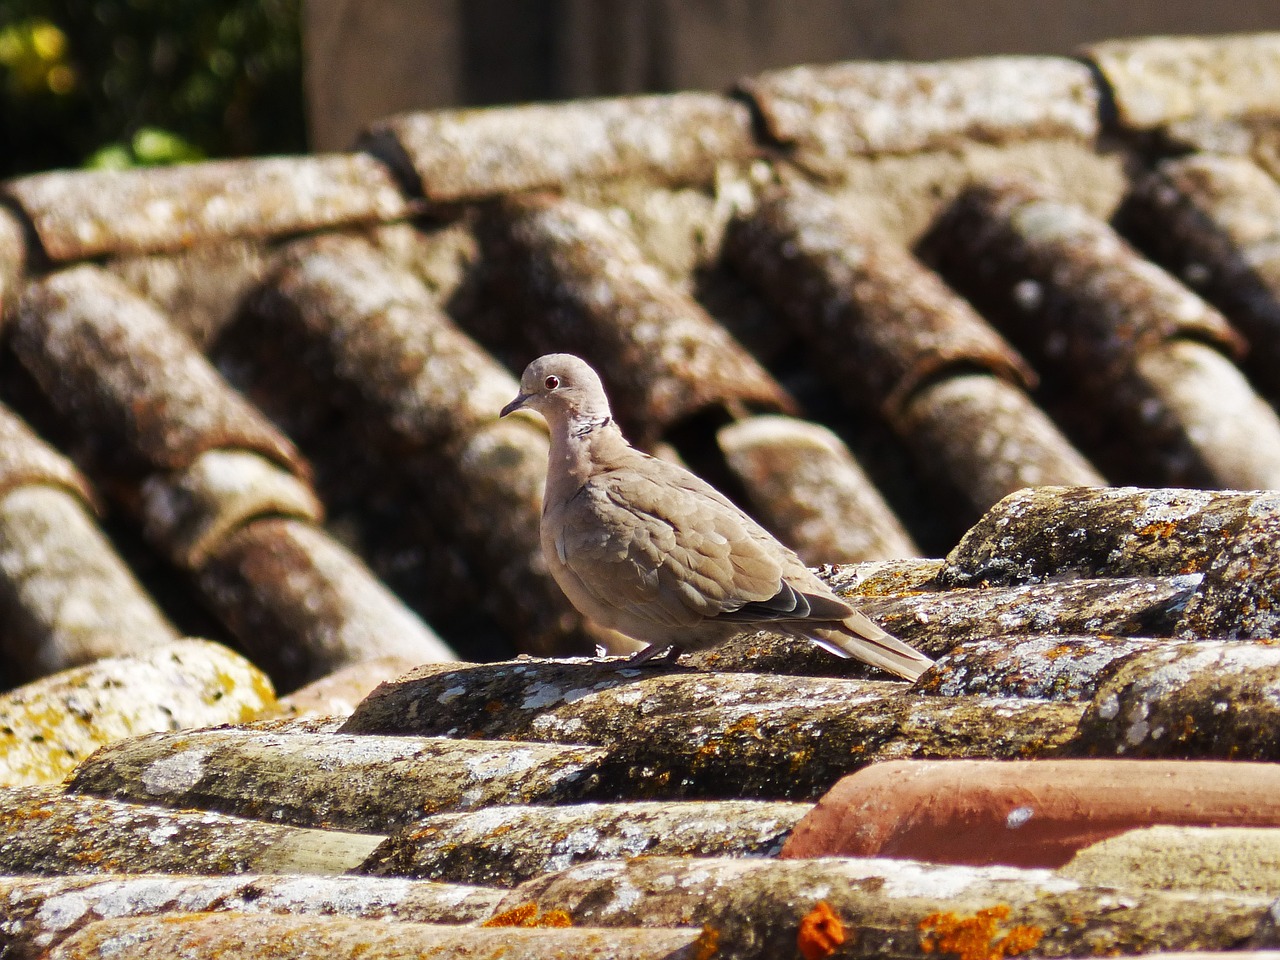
pixel 661 545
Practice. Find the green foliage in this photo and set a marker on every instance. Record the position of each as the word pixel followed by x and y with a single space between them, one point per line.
pixel 149 147
pixel 134 82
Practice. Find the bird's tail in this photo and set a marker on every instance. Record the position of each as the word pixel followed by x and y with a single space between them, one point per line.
pixel 858 637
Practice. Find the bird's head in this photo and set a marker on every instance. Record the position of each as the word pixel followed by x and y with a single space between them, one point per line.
pixel 564 389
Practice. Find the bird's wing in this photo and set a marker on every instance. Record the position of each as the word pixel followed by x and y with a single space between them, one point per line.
pixel 652 540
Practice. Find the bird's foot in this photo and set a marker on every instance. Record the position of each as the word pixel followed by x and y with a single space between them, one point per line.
pixel 659 654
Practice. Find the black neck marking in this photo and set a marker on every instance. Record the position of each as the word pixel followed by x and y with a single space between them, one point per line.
pixel 588 426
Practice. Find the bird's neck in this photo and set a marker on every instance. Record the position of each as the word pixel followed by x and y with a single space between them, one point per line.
pixel 576 446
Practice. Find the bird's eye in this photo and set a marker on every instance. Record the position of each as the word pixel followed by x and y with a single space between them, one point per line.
pixel 551 382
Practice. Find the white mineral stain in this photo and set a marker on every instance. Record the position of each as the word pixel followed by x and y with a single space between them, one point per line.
pixel 176 773
pixel 484 821
pixel 489 766
pixel 546 725
pixel 329 752
pixel 160 834
pixel 450 895
pixel 634 839
pixel 582 840
pixel 1018 817
pixel 346 896
pixel 631 695
pixel 124 898
pixel 697 876
pixel 60 912
pixel 1246 657
pixel 625 896
pixel 541 695
pixel 1167 505
pixel 1137 731
pixel 450 695
pixel 905 879
pixel 122 944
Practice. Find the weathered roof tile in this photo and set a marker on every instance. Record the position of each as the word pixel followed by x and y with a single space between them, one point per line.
pixel 14 256
pixel 565 275
pixel 200 289
pixel 938 621
pixel 1047 667
pixel 891 336
pixel 45 831
pixel 28 460
pixel 1056 533
pixel 82 214
pixel 68 597
pixel 35 924
pixel 1115 334
pixel 49 725
pixel 1209 698
pixel 375 331
pixel 176 443
pixel 906 908
pixel 349 350
pixel 505 846
pixel 897 325
pixel 1154 81
pixel 1222 859
pixel 809 490
pixel 477 154
pixel 363 783
pixel 1070 621
pixel 305 605
pixel 1214 221
pixel 847 109
pixel 144 398
pixel 261 935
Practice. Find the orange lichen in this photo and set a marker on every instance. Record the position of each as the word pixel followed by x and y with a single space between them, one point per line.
pixel 526 915
pixel 821 932
pixel 749 725
pixel 515 917
pixel 1161 528
pixel 707 945
pixel 977 937
pixel 555 918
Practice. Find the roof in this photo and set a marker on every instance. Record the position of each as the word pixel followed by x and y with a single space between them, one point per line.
pixel 1016 314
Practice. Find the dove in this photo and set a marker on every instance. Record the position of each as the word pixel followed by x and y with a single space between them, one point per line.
pixel 645 547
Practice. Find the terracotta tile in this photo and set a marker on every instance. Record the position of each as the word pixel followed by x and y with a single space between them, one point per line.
pixel 1031 814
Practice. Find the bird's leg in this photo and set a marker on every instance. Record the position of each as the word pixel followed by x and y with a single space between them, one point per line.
pixel 657 653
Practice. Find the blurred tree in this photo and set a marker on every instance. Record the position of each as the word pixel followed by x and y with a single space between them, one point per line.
pixel 128 82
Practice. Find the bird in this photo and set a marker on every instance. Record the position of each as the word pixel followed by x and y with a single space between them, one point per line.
pixel 647 548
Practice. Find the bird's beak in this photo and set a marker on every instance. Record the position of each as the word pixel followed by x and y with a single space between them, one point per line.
pixel 520 400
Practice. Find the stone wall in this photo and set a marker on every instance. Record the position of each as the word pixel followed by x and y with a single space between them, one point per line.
pixel 370 58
